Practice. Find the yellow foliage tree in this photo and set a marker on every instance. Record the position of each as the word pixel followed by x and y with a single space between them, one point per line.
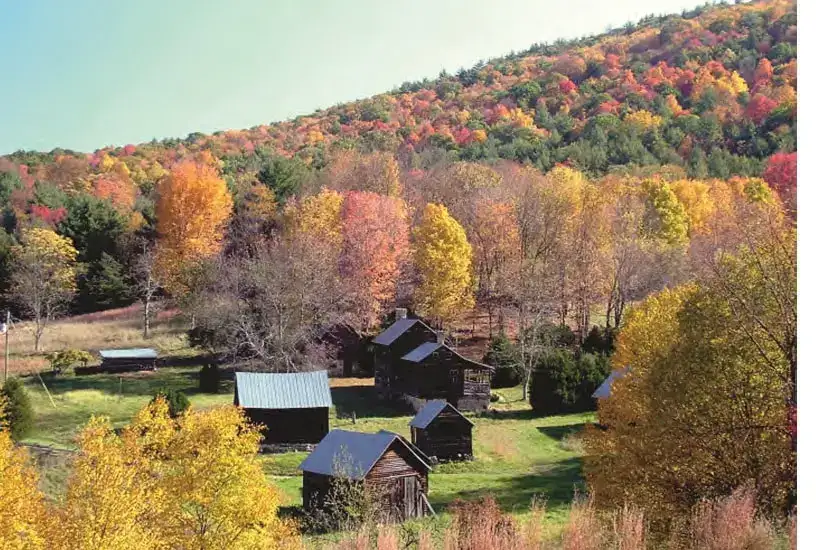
pixel 190 482
pixel 443 258
pixel 318 216
pixel 22 509
pixel 192 210
pixel 43 276
pixel 696 199
pixel 644 120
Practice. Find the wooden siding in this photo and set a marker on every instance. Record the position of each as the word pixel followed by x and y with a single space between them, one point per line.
pixel 291 425
pixel 447 437
pixel 398 479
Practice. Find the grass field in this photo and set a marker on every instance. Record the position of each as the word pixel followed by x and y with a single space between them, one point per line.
pixel 517 455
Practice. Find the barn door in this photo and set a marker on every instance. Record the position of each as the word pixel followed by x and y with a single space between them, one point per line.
pixel 409 495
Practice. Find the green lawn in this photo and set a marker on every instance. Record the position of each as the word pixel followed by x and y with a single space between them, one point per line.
pixel 517 455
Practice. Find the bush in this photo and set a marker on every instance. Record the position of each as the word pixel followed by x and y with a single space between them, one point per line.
pixel 560 383
pixel 176 400
pixel 19 416
pixel 209 378
pixel 502 355
pixel 599 341
pixel 68 358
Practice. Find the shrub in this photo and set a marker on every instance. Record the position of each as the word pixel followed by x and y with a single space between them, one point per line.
pixel 600 341
pixel 68 358
pixel 19 416
pixel 176 400
pixel 502 355
pixel 209 378
pixel 561 383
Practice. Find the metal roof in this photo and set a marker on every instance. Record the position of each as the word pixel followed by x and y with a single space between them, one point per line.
pixel 430 411
pixel 389 335
pixel 605 389
pixel 135 353
pixel 424 350
pixel 421 352
pixel 296 390
pixel 352 454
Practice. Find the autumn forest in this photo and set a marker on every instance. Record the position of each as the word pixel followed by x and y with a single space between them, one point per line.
pixel 626 200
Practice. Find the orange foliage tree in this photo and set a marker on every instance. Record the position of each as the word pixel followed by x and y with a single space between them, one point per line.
pixel 192 211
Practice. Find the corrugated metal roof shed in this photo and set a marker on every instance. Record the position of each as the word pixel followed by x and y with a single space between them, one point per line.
pixel 605 389
pixel 430 411
pixel 352 454
pixel 296 390
pixel 135 353
pixel 387 337
pixel 424 350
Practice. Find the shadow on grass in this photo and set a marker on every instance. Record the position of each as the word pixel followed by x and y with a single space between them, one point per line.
pixel 363 402
pixel 556 483
pixel 510 414
pixel 145 383
pixel 560 432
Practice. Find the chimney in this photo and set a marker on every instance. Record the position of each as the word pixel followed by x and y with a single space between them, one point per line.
pixel 400 313
pixel 440 337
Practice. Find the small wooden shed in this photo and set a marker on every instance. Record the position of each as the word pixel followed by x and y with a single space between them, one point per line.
pixel 386 462
pixel 293 407
pixel 440 430
pixel 123 360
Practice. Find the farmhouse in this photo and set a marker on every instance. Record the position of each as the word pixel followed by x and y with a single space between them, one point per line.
pixel 440 430
pixel 605 389
pixel 293 407
pixel 123 360
pixel 412 363
pixel 386 463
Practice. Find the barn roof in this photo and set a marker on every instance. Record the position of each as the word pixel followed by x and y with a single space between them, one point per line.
pixel 389 335
pixel 421 352
pixel 134 353
pixel 430 411
pixel 295 390
pixel 354 453
pixel 605 389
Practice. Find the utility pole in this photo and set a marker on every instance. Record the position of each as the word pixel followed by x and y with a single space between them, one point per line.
pixel 6 328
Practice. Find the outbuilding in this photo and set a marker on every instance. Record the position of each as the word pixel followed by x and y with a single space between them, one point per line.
pixel 439 430
pixel 292 407
pixel 605 389
pixel 386 463
pixel 123 360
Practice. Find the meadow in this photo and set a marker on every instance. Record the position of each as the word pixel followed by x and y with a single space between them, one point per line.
pixel 518 455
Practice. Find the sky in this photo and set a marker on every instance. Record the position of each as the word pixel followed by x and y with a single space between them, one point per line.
pixel 85 74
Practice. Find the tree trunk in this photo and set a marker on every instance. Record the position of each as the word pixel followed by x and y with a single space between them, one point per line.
pixel 37 334
pixel 146 319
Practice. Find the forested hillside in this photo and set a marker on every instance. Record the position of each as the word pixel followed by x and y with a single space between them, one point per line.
pixel 708 95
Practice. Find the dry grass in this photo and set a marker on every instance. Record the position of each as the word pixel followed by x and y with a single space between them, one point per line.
pixel 112 328
pixel 730 523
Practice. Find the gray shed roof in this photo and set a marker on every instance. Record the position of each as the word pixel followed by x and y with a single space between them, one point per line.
pixel 342 452
pixel 134 353
pixel 419 353
pixel 605 389
pixel 430 411
pixel 389 335
pixel 424 350
pixel 296 390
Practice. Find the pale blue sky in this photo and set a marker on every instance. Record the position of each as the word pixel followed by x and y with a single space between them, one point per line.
pixel 84 74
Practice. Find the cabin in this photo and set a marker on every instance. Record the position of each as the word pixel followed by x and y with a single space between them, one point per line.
pixel 413 363
pixel 440 431
pixel 605 389
pixel 293 408
pixel 125 360
pixel 386 463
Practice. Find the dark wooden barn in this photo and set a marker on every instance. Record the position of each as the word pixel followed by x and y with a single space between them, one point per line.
pixel 344 345
pixel 440 430
pixel 412 361
pixel 386 463
pixel 123 360
pixel 293 407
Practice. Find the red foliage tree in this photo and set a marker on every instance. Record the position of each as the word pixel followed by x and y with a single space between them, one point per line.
pixel 760 107
pixel 780 173
pixel 375 243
